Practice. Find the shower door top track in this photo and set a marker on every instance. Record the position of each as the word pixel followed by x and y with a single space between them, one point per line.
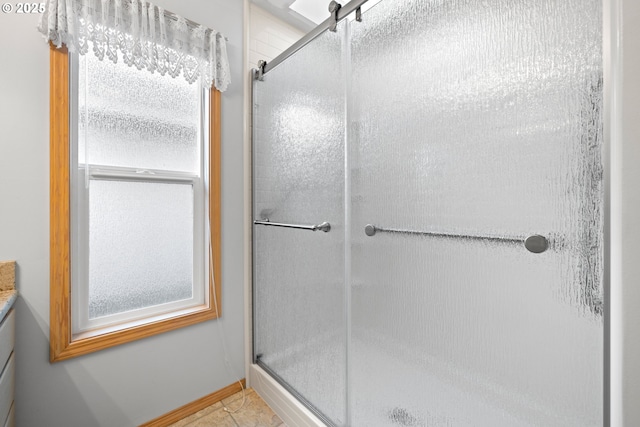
pixel 328 23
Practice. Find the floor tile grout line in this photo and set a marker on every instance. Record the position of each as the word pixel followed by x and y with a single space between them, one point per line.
pixel 233 419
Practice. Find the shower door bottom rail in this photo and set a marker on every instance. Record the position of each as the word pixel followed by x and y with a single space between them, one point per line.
pixel 295 394
pixel 535 243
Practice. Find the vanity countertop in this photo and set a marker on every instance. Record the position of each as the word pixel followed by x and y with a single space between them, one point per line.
pixel 8 293
pixel 7 298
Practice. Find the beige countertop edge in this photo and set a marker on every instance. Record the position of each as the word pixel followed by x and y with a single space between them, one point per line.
pixel 7 298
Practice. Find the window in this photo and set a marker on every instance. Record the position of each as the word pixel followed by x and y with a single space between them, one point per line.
pixel 135 162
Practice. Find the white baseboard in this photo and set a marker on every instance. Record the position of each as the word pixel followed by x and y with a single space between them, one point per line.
pixel 292 412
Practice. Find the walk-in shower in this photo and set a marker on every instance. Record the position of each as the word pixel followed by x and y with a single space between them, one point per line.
pixel 428 215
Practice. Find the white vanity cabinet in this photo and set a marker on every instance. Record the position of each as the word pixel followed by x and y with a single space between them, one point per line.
pixel 7 369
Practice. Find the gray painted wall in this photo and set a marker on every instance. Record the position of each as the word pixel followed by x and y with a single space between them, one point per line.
pixel 133 383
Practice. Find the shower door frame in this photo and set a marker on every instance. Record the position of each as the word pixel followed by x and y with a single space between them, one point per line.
pixel 286 404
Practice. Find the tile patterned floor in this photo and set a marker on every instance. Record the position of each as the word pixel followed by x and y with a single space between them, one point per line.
pixel 254 413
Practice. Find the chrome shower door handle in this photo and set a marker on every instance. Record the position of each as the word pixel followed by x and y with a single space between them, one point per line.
pixel 324 226
pixel 535 244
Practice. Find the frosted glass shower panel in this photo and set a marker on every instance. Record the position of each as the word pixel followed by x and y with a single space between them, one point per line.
pixel 131 264
pixel 299 179
pixel 130 118
pixel 476 118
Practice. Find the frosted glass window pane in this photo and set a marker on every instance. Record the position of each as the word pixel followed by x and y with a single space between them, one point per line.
pixel 130 117
pixel 141 245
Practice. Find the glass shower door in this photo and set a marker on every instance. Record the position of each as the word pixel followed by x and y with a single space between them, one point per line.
pixel 474 125
pixel 298 276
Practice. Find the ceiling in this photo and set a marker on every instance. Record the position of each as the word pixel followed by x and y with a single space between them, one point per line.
pixel 280 9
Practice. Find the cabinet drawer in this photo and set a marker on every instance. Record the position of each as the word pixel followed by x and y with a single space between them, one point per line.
pixel 7 338
pixel 7 384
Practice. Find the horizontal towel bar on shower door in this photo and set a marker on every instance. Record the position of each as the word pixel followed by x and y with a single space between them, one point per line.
pixel 325 226
pixel 535 243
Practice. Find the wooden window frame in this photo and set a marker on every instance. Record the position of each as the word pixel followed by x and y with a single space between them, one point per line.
pixel 62 344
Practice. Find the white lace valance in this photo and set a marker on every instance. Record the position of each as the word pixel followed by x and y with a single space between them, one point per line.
pixel 144 35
